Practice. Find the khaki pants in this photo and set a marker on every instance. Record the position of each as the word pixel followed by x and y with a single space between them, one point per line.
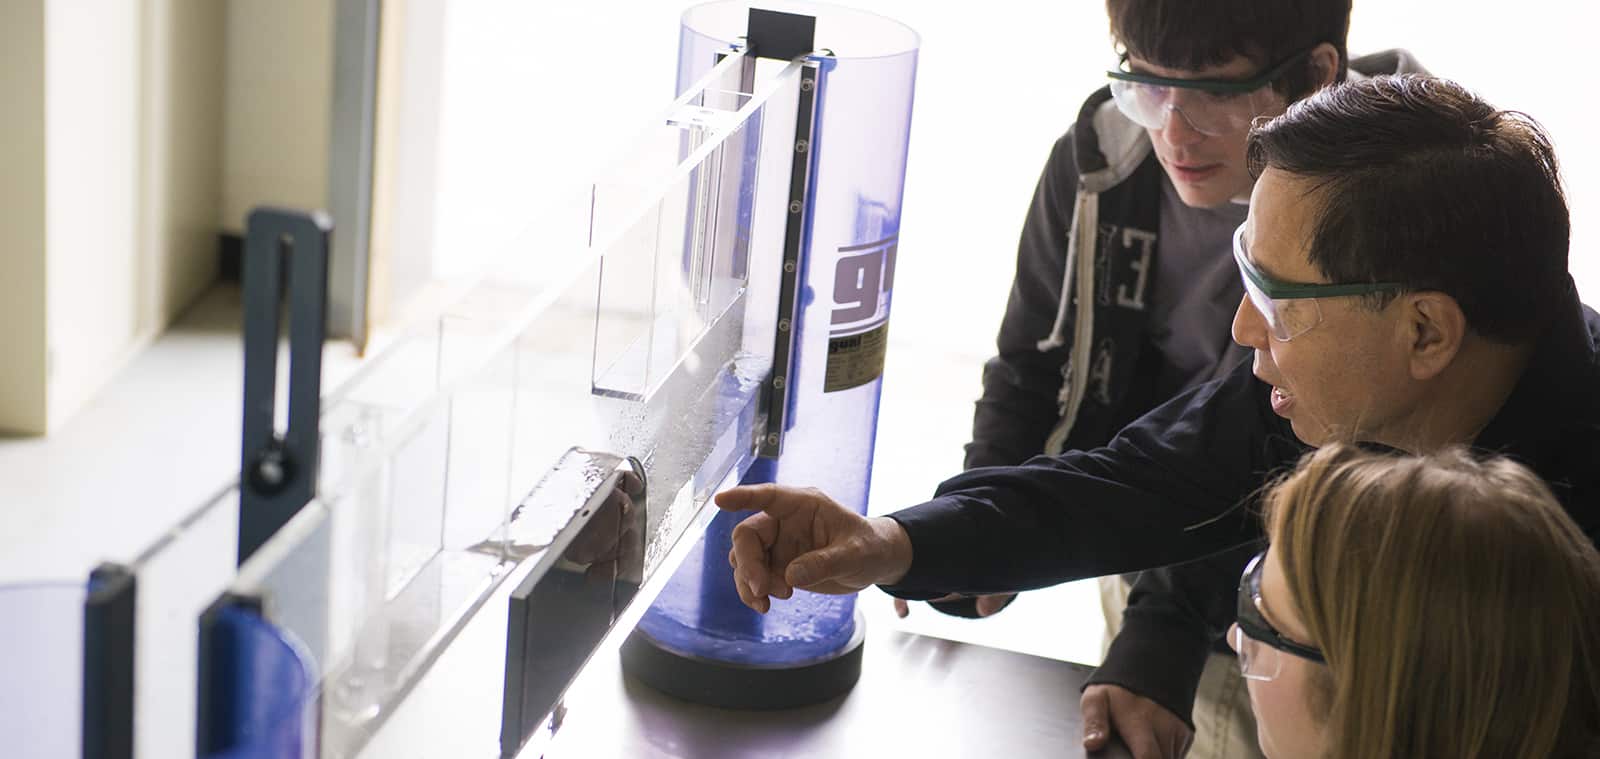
pixel 1225 728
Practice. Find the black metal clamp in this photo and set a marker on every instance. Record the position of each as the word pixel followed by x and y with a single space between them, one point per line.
pixel 278 474
pixel 786 36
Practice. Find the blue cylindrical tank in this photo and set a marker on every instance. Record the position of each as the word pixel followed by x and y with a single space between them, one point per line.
pixel 263 699
pixel 867 67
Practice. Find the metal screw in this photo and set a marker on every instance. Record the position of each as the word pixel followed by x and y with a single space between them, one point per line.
pixel 783 325
pixel 271 472
pixel 806 85
pixel 772 439
pixel 788 267
pixel 777 383
pixel 794 206
pixel 800 146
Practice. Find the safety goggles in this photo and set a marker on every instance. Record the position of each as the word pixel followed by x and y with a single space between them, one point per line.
pixel 1259 644
pixel 1290 308
pixel 1212 107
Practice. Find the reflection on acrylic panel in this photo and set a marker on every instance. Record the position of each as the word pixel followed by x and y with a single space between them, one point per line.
pixel 575 592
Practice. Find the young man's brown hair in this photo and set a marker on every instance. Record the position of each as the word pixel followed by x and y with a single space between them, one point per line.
pixel 1186 34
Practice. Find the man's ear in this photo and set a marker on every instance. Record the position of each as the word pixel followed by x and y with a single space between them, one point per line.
pixel 1434 328
pixel 1324 65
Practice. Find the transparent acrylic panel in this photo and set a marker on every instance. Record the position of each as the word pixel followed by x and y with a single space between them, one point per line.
pixel 178 578
pixel 451 466
pixel 376 403
pixel 174 580
pixel 478 491
pixel 676 141
pixel 42 646
pixel 41 668
pixel 676 259
pixel 416 477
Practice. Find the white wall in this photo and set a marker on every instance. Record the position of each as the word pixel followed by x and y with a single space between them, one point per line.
pixel 406 155
pixel 182 144
pixel 537 99
pixel 111 172
pixel 1527 55
pixel 278 99
pixel 22 216
pixel 91 194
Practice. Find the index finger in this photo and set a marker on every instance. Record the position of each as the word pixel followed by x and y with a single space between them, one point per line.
pixel 751 539
pixel 777 500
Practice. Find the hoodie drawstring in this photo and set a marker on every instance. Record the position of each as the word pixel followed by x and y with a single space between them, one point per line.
pixel 1077 285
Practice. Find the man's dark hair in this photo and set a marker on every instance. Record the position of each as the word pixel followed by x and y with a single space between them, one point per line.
pixel 1421 182
pixel 1189 34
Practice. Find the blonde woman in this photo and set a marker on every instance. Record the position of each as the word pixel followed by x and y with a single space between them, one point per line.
pixel 1436 606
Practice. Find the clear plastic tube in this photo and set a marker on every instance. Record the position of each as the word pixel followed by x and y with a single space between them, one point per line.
pixel 867 69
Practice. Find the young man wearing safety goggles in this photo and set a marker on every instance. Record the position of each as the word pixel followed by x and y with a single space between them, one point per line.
pixel 1125 284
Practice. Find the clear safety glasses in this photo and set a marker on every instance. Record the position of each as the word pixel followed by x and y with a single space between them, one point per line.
pixel 1213 107
pixel 1259 644
pixel 1290 308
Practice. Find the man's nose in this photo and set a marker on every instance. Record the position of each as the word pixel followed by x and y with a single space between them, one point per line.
pixel 1177 131
pixel 1249 326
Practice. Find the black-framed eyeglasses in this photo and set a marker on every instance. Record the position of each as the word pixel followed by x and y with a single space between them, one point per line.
pixel 1258 643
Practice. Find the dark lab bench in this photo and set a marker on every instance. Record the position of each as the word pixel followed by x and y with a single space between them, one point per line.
pixel 918 697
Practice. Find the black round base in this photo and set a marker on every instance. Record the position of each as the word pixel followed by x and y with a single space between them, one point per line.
pixel 742 686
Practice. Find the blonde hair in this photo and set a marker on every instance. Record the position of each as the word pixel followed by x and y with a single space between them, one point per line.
pixel 1456 602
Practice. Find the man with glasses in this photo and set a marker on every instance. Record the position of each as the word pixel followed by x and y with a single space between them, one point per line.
pixel 1124 285
pixel 1405 267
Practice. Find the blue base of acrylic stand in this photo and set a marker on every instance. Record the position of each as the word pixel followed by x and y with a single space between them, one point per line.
pixel 732 685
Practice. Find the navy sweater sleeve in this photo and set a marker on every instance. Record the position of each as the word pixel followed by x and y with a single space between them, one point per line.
pixel 1169 488
pixel 1019 405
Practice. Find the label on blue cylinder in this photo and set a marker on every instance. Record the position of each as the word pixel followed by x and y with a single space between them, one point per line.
pixel 858 335
pixel 855 360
